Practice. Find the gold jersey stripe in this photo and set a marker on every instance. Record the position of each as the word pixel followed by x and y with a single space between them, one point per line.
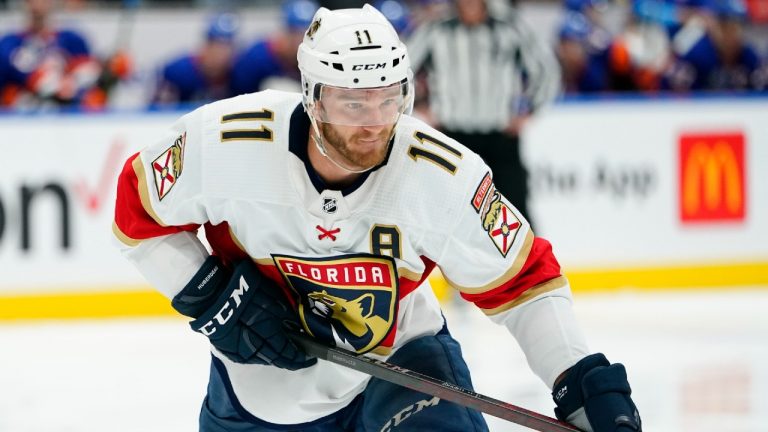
pixel 409 274
pixel 128 241
pixel 264 261
pixel 529 294
pixel 514 269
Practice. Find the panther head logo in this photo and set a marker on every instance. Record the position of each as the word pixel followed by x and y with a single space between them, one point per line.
pixel 355 315
pixel 177 156
pixel 493 214
pixel 313 28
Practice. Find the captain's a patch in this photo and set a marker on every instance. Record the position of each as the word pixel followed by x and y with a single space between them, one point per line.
pixel 168 166
pixel 500 222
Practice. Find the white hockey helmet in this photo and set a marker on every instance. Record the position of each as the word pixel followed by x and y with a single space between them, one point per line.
pixel 353 49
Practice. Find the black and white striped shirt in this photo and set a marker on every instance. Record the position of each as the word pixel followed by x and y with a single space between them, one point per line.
pixel 482 76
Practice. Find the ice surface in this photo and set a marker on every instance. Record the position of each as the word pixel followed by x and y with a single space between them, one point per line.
pixel 697 361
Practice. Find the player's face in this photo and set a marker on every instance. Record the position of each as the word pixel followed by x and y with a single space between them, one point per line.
pixel 357 123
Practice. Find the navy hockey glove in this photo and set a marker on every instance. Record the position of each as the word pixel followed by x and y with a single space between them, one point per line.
pixel 602 390
pixel 243 314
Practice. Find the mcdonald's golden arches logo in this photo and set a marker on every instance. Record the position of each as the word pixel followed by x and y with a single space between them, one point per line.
pixel 712 177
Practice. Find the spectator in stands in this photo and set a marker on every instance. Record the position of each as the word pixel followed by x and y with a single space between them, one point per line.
pixel 698 43
pixel 711 52
pixel 486 75
pixel 583 47
pixel 271 62
pixel 739 66
pixel 640 53
pixel 205 74
pixel 584 70
pixel 591 9
pixel 690 25
pixel 42 67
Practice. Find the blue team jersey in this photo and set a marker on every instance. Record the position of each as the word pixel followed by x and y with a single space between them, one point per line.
pixel 703 58
pixel 256 64
pixel 23 53
pixel 595 77
pixel 597 74
pixel 701 68
pixel 182 81
pixel 748 72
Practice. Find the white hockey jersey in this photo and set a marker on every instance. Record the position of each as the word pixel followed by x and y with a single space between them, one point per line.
pixel 353 262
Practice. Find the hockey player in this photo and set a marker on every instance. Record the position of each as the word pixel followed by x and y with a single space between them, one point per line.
pixel 327 210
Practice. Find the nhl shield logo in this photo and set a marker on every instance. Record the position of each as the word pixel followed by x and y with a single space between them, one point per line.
pixel 348 301
pixel 329 205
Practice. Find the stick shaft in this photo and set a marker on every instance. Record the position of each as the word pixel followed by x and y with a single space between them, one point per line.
pixel 433 387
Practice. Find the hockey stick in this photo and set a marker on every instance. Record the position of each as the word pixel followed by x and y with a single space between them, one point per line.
pixel 431 386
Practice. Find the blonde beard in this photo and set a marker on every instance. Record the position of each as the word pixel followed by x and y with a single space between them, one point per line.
pixel 351 158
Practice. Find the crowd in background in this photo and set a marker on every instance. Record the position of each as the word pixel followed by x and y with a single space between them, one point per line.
pixel 660 46
pixel 665 45
pixel 42 66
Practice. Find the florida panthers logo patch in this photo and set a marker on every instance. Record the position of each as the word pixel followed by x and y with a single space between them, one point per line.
pixel 313 28
pixel 501 224
pixel 347 301
pixel 168 166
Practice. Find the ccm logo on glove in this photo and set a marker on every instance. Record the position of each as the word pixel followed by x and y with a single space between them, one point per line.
pixel 243 314
pixel 227 309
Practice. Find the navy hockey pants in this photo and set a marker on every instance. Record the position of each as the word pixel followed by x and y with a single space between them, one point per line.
pixel 381 407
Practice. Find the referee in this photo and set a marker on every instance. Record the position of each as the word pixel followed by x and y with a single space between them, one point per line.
pixel 485 75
